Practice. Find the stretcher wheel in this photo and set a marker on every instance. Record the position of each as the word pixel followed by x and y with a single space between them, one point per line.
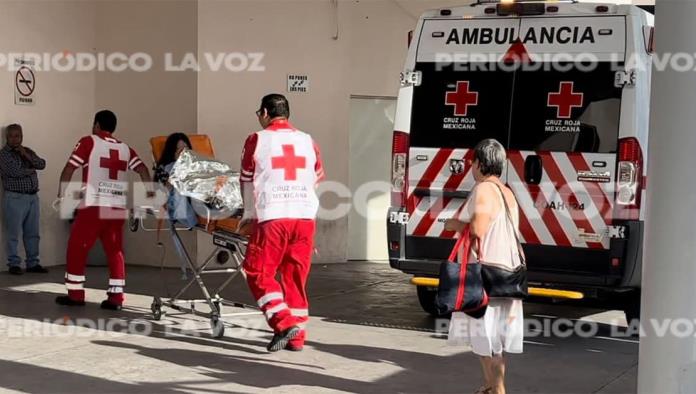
pixel 133 224
pixel 156 308
pixel 223 257
pixel 217 326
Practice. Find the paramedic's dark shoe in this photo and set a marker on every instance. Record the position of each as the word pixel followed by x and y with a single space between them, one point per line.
pixel 280 341
pixel 37 269
pixel 67 301
pixel 106 304
pixel 14 270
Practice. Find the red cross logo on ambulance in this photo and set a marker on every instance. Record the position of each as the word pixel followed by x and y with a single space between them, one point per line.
pixel 461 98
pixel 565 99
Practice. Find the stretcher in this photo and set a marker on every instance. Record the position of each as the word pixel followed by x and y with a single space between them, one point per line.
pixel 226 258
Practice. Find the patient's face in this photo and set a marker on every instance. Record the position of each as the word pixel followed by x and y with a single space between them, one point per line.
pixel 180 146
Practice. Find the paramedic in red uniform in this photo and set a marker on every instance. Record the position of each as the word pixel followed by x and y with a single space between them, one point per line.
pixel 281 167
pixel 104 161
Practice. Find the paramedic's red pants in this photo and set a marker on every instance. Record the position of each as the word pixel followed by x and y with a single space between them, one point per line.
pixel 281 246
pixel 94 223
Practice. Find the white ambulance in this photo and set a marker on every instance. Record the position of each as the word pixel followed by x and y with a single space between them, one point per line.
pixel 564 86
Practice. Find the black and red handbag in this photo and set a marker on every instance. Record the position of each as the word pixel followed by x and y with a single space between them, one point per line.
pixel 461 284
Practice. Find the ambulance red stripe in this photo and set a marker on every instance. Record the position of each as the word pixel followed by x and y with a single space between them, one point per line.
pixel 451 234
pixel 527 230
pixel 430 174
pixel 454 183
pixel 430 217
pixel 456 180
pixel 548 217
pixel 561 184
pixel 600 198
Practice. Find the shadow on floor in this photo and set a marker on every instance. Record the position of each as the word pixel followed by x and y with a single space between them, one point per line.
pixel 358 301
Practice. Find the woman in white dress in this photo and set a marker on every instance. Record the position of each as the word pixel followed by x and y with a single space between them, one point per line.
pixel 501 329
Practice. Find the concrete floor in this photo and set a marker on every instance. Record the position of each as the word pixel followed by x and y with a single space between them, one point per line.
pixel 368 334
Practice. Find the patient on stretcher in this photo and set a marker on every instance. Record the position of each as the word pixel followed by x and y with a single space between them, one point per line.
pixel 179 208
pixel 201 189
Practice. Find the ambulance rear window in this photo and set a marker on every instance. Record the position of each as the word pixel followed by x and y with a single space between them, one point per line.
pixel 566 110
pixel 456 106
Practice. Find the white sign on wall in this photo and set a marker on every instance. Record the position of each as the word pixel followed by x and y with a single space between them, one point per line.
pixel 24 82
pixel 298 83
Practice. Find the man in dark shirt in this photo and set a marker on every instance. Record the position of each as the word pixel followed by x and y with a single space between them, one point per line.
pixel 18 165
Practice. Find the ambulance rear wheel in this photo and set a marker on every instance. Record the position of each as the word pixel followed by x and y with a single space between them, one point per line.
pixel 631 307
pixel 426 297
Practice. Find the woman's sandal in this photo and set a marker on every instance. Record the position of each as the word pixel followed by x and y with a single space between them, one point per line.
pixel 483 390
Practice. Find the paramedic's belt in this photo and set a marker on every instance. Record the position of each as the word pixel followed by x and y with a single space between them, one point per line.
pixel 207 180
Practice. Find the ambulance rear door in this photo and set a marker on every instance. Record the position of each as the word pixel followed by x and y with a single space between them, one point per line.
pixel 564 138
pixel 462 99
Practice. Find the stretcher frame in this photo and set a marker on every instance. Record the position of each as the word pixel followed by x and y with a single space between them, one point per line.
pixel 228 245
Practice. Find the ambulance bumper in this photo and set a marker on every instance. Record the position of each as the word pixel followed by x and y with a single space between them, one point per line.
pixel 616 269
pixel 428 268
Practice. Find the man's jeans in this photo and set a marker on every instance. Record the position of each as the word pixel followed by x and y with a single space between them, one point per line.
pixel 21 214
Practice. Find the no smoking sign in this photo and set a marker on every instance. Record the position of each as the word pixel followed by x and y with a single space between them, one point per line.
pixel 25 84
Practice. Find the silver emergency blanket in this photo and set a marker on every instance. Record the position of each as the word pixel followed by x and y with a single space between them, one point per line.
pixel 208 180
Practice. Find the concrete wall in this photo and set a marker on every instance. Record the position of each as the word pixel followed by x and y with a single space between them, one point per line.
pixel 355 48
pixel 152 103
pixel 64 100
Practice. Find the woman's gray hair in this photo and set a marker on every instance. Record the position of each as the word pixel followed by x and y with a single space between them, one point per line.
pixel 491 157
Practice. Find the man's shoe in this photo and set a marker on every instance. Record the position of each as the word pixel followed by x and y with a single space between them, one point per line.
pixel 280 341
pixel 106 304
pixel 294 348
pixel 37 269
pixel 67 301
pixel 14 270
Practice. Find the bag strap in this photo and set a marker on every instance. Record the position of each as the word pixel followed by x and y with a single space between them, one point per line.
pixel 520 251
pixel 457 245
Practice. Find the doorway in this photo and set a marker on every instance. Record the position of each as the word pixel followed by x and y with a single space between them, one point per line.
pixel 371 128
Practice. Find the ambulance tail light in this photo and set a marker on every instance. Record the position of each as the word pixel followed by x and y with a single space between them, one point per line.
pixel 399 169
pixel 629 184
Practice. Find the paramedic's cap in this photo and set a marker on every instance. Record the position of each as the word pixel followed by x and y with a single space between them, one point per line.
pixel 276 105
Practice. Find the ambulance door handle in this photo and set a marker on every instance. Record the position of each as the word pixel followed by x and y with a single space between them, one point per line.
pixel 533 170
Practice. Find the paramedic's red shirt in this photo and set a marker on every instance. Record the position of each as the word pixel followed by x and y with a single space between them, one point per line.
pixel 83 149
pixel 248 163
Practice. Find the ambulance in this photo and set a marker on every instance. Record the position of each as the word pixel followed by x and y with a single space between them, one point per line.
pixel 565 87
